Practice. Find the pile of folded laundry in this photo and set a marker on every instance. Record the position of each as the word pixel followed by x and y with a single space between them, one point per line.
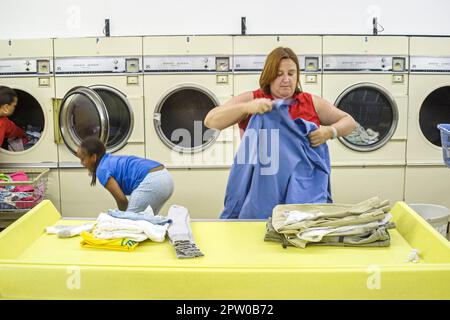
pixel 124 230
pixel 364 224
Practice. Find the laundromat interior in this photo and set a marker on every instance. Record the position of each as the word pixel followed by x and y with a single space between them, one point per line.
pixel 143 81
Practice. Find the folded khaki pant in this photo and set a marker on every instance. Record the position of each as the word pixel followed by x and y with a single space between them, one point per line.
pixel 361 224
pixel 374 238
pixel 330 215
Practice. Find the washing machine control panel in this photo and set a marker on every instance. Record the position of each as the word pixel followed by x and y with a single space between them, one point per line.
pixel 364 63
pixel 89 65
pixel 430 64
pixel 14 67
pixel 250 63
pixel 156 64
pixel 255 63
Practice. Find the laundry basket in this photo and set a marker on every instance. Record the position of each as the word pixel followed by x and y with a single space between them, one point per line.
pixel 436 215
pixel 445 139
pixel 17 197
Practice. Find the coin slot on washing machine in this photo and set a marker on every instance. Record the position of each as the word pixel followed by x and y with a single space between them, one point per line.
pixel 132 65
pixel 179 119
pixel 434 110
pixel 398 64
pixel 43 66
pixel 29 116
pixel 375 112
pixel 222 64
pixel 311 63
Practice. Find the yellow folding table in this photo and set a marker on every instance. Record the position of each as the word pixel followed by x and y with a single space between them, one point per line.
pixel 237 264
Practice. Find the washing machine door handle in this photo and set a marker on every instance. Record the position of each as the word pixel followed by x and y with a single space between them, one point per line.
pixel 157 117
pixel 82 114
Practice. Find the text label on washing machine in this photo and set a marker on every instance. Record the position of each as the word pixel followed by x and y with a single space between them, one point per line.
pixel 255 63
pixel 25 66
pixel 98 65
pixel 186 64
pixel 430 64
pixel 364 63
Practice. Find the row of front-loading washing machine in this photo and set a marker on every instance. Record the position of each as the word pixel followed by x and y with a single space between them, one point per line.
pixel 148 96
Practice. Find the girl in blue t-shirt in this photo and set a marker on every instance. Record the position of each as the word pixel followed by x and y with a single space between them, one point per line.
pixel 147 182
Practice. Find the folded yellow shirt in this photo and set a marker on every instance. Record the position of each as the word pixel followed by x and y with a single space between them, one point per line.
pixel 123 244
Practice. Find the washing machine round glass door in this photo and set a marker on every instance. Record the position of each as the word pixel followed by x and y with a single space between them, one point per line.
pixel 434 110
pixel 375 112
pixel 120 115
pixel 179 118
pixel 99 111
pixel 28 115
pixel 83 114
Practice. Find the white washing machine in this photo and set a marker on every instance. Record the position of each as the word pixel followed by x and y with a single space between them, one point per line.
pixel 26 66
pixel 367 77
pixel 184 78
pixel 250 54
pixel 427 178
pixel 99 86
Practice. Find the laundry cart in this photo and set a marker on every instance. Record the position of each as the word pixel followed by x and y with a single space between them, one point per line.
pixel 20 190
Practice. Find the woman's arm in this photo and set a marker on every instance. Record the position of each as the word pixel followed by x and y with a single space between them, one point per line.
pixel 330 117
pixel 235 110
pixel 113 187
pixel 12 130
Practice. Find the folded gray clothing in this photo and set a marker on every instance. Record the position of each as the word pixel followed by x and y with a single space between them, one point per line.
pixel 186 249
pixel 180 233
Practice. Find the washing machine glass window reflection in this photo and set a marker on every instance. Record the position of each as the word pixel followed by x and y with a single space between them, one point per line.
pixel 29 116
pixel 84 118
pixel 181 114
pixel 435 110
pixel 82 114
pixel 374 111
pixel 120 116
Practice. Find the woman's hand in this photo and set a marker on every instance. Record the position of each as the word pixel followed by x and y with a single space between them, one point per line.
pixel 260 106
pixel 321 135
pixel 113 187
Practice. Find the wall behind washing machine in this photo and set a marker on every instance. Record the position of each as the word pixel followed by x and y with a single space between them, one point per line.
pixel 80 18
